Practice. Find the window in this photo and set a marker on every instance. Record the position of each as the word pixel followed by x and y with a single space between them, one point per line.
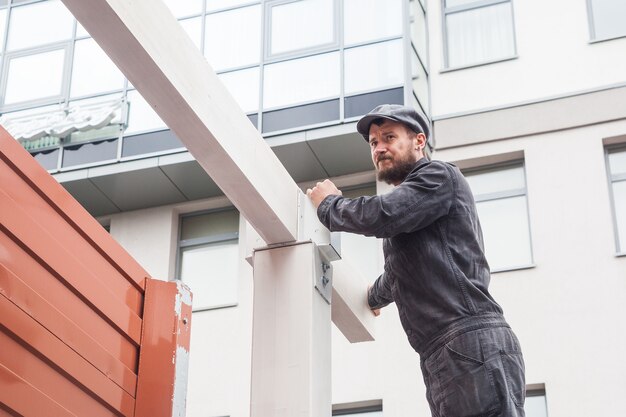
pixel 477 32
pixel 243 85
pixel 93 71
pixel 303 24
pixel 607 18
pixel 226 44
pixel 617 173
pixel 209 257
pixel 500 196
pixel 535 404
pixel 369 20
pixel 141 116
pixel 53 22
pixel 34 77
pixel 374 67
pixel 301 80
pixel 360 251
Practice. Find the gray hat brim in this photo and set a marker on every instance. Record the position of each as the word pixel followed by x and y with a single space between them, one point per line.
pixel 363 125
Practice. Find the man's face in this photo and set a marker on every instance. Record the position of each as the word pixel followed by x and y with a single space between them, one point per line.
pixel 394 150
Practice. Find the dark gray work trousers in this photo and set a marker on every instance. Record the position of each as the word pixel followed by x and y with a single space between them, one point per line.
pixel 479 373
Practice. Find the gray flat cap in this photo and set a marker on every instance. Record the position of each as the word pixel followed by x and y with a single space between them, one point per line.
pixel 398 113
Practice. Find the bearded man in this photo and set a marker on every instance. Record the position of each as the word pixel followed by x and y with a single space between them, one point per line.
pixel 435 269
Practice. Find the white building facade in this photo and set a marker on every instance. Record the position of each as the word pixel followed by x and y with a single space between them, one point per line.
pixel 528 98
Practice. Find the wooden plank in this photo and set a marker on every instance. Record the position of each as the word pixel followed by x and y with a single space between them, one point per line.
pixel 162 62
pixel 63 328
pixel 64 263
pixel 21 398
pixel 77 370
pixel 15 156
pixel 44 216
pixel 162 386
pixel 43 282
pixel 350 311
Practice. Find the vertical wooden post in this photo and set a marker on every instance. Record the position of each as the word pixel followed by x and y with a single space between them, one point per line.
pixel 291 349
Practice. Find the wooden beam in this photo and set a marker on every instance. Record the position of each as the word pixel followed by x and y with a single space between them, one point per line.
pixel 350 311
pixel 153 51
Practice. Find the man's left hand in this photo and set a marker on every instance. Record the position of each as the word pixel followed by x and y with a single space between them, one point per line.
pixel 322 190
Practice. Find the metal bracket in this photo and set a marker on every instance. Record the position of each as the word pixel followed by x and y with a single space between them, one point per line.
pixel 324 281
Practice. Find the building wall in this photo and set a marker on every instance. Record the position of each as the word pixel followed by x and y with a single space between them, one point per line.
pixel 554 57
pixel 567 309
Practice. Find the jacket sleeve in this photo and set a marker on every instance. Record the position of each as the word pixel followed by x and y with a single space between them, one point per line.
pixel 426 195
pixel 379 294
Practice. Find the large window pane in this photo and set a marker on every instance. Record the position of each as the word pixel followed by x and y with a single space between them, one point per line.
pixel 301 80
pixel 608 18
pixel 367 20
pixel 182 8
pixel 213 224
pixel 535 406
pixel 141 116
pixel 505 230
pixel 35 76
pixel 374 67
pixel 211 272
pixel 38 24
pixel 301 24
pixel 209 258
pixel 244 87
pixel 226 44
pixel 497 181
pixel 480 35
pixel 503 212
pixel 93 71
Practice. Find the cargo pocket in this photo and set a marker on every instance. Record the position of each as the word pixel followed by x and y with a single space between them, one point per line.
pixel 513 364
pixel 467 388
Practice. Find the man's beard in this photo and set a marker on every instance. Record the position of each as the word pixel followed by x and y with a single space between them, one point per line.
pixel 396 173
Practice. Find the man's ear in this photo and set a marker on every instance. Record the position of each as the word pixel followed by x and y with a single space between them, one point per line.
pixel 420 141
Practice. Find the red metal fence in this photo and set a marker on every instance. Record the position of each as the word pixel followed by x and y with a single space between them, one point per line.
pixel 84 330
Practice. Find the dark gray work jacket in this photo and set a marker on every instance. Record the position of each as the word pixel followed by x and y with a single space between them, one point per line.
pixel 435 267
